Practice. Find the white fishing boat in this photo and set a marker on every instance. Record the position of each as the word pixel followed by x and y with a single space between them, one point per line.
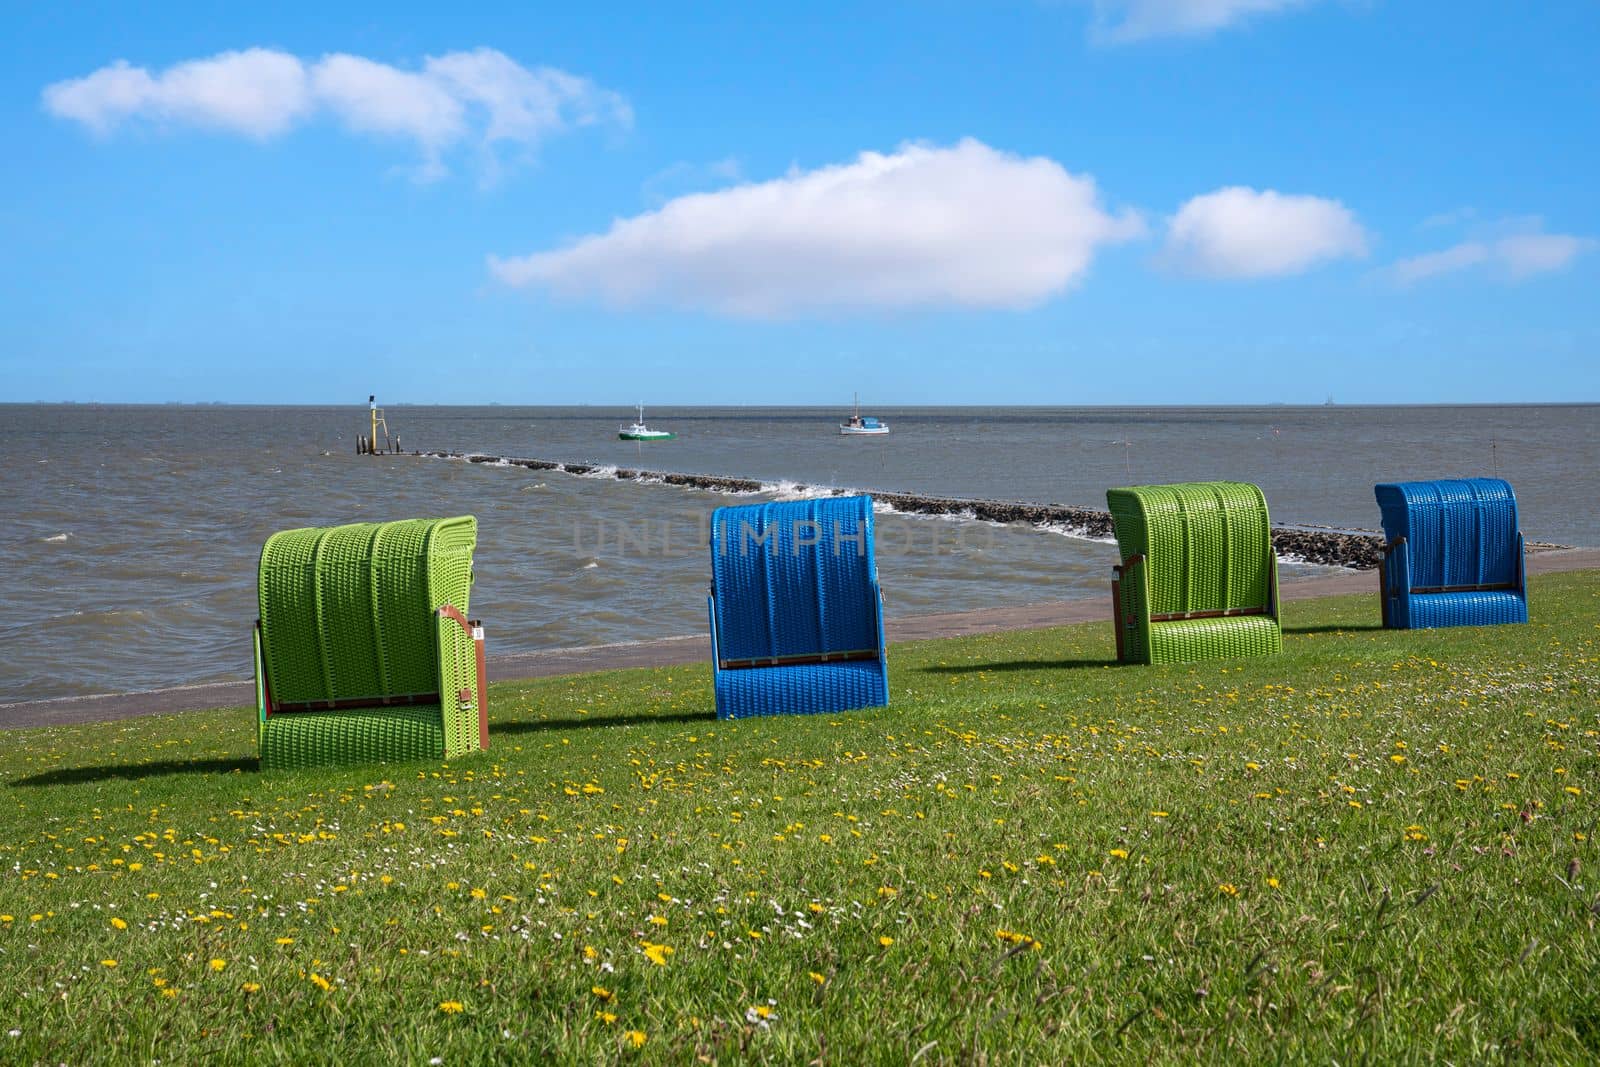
pixel 859 425
pixel 640 432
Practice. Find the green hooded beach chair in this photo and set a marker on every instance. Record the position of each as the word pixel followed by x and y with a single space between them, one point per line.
pixel 363 651
pixel 1198 579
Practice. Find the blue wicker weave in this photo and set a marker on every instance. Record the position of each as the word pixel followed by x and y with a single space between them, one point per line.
pixel 1454 554
pixel 796 614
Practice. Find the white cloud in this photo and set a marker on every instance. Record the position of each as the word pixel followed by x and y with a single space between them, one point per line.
pixel 1511 256
pixel 1133 20
pixel 1457 257
pixel 523 104
pixel 965 226
pixel 482 94
pixel 1237 232
pixel 377 98
pixel 1538 253
pixel 258 93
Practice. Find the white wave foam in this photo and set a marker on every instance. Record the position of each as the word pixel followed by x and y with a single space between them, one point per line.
pixel 56 539
pixel 1066 529
pixel 784 489
pixel 607 471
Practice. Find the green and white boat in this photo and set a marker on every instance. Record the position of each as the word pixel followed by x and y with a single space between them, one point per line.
pixel 640 432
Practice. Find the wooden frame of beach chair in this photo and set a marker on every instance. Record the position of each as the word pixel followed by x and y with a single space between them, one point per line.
pixel 363 650
pixel 795 610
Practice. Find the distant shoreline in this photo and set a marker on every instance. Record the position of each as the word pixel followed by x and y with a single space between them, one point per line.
pixel 625 406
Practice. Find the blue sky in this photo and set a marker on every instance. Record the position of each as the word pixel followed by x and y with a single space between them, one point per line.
pixel 1149 201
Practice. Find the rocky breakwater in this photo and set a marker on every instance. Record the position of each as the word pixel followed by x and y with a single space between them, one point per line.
pixel 1331 548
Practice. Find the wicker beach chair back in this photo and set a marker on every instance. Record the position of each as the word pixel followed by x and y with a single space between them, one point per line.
pixel 794 579
pixel 1207 545
pixel 1460 532
pixel 347 612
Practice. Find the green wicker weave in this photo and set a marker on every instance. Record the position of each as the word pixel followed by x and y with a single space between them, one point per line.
pixel 1198 579
pixel 363 649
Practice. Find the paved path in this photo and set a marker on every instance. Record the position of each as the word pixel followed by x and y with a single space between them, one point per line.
pixel 693 648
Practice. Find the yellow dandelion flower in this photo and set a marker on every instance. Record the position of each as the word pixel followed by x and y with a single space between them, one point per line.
pixel 657 954
pixel 1228 889
pixel 108 963
pixel 1273 882
pixel 658 920
pixel 1119 853
pixel 285 941
pixel 817 978
pixel 120 924
pixel 601 991
pixel 1011 937
pixel 452 1007
pixel 478 894
pixel 637 1038
pixel 590 952
pixel 320 982
pixel 815 908
pixel 605 1017
pixel 885 941
pixel 217 965
pixel 251 987
pixel 1159 814
pixel 761 1011
pixel 1574 790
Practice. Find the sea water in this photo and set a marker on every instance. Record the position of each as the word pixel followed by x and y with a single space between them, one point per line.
pixel 131 534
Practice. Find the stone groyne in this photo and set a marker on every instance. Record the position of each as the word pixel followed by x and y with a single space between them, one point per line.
pixel 1332 548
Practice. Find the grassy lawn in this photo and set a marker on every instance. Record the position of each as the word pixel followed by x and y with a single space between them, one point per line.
pixel 1379 847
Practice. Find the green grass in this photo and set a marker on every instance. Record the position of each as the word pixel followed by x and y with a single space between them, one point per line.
pixel 1378 847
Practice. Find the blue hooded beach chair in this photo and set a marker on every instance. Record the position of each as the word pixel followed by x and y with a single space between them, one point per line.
pixel 1453 555
pixel 796 614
